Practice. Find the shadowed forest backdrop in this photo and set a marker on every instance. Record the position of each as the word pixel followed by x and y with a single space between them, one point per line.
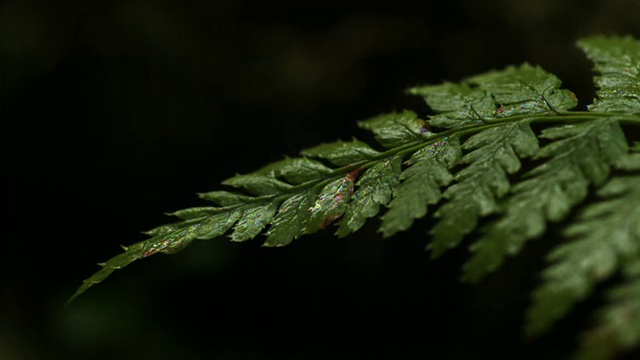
pixel 116 112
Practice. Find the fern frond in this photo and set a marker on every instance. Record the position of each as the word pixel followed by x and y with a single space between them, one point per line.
pixel 375 188
pixel 396 129
pixel 618 62
pixel 496 152
pixel 464 164
pixel 253 221
pixel 514 91
pixel 167 239
pixel 606 235
pixel 579 155
pixel 294 196
pixel 289 223
pixel 333 200
pixel 421 182
pixel 342 153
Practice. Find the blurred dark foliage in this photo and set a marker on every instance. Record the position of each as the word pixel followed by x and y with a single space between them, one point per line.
pixel 116 112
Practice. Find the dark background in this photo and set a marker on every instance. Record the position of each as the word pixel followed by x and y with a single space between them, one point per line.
pixel 115 112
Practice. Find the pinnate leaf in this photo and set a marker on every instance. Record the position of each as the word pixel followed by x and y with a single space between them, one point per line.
pixel 291 219
pixel 195 213
pixel 216 225
pixel 523 90
pixel 580 154
pixel 168 243
pixel 258 184
pixel 225 198
pixel 605 235
pixel 457 105
pixel 331 203
pixel 253 220
pixel 341 153
pixel 420 185
pixel 395 129
pixel 295 170
pixel 374 188
pixel 471 170
pixel 618 62
pixel 494 153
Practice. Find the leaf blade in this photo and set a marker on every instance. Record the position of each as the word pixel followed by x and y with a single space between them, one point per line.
pixel 580 156
pixel 605 236
pixel 420 185
pixel 617 60
pixel 290 221
pixel 513 91
pixel 342 153
pixel 253 220
pixel 375 188
pixel 169 243
pixel 395 129
pixel 495 153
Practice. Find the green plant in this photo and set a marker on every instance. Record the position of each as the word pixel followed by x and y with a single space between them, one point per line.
pixel 469 169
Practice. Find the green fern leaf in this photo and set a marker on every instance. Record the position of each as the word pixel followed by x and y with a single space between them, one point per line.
pixel 167 243
pixel 420 185
pixel 342 153
pixel 606 234
pixel 291 219
pixel 253 221
pixel 331 203
pixel 470 170
pixel 295 170
pixel 457 105
pixel 258 184
pixel 291 211
pixel 225 198
pixel 214 226
pixel 525 90
pixel 514 91
pixel 494 152
pixel 618 62
pixel 396 129
pixel 580 154
pixel 194 213
pixel 375 188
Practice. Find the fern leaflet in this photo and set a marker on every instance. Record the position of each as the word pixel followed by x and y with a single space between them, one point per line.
pixel 606 235
pixel 496 152
pixel 427 171
pixel 617 60
pixel 578 156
